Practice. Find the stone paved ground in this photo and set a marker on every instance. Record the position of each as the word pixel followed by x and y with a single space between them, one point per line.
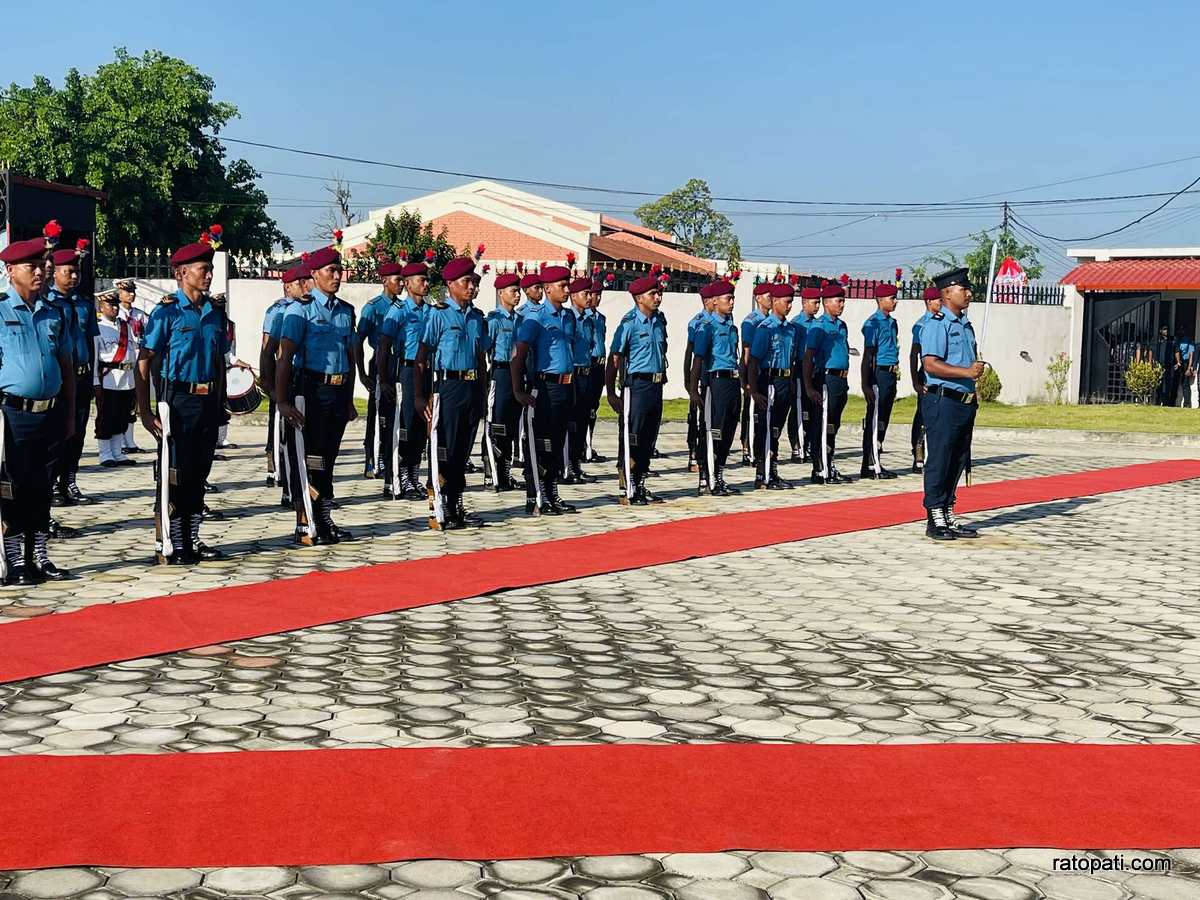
pixel 1068 621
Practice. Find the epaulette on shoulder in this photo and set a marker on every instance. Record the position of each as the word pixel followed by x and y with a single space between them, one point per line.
pixel 938 315
pixel 3 296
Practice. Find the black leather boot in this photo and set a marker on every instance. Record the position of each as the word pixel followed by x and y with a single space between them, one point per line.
pixel 200 549
pixel 937 527
pixel 42 564
pixel 555 501
pixel 959 528
pixel 19 570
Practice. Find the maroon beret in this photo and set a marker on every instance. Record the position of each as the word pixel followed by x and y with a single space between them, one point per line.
pixel 190 253
pixel 414 268
pixel 716 289
pixel 295 273
pixel 508 279
pixel 763 287
pixel 390 268
pixel 644 284
pixel 326 256
pixel 457 268
pixel 530 280
pixel 780 291
pixel 25 251
pixel 810 293
pixel 884 290
pixel 832 290
pixel 931 293
pixel 551 274
pixel 65 258
pixel 580 285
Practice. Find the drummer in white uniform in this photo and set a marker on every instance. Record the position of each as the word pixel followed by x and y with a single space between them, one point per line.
pixel 112 375
pixel 137 319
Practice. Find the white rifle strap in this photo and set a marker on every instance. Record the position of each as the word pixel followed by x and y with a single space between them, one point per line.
pixel 487 434
pixel 627 462
pixel 439 512
pixel 277 450
pixel 825 429
pixel 875 430
pixel 750 421
pixel 376 462
pixel 767 430
pixel 302 470
pixel 397 415
pixel 164 479
pixel 531 449
pixel 708 437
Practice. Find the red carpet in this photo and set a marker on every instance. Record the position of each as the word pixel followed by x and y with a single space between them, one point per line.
pixel 114 632
pixel 351 806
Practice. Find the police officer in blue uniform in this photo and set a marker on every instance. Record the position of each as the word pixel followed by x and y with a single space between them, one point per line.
pixel 545 350
pixel 451 357
pixel 317 398
pixel 880 370
pixel 949 403
pixel 773 359
pixel 762 309
pixel 400 338
pixel 933 304
pixel 639 355
pixel 381 405
pixel 582 346
pixel 478 328
pixel 503 411
pixel 184 351
pixel 716 387
pixel 295 282
pixel 599 336
pixel 801 422
pixel 37 400
pixel 826 365
pixel 370 318
pixel 693 417
pixel 82 327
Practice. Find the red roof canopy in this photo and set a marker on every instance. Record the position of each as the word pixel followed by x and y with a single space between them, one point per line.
pixel 1136 275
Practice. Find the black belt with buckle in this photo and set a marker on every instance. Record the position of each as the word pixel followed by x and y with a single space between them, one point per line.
pixel 597 360
pixel 952 394
pixel 895 370
pixel 405 363
pixel 500 364
pixel 655 377
pixel 458 374
pixel 837 373
pixel 779 373
pixel 555 378
pixel 336 378
pixel 116 367
pixel 83 370
pixel 26 405
pixel 200 388
pixel 584 370
pixel 723 373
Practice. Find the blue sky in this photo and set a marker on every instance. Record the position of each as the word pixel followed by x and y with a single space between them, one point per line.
pixel 861 102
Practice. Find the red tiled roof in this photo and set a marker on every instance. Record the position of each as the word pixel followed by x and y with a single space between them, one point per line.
pixel 622 225
pixel 1136 275
pixel 622 245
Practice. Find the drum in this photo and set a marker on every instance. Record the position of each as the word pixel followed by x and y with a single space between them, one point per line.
pixel 241 393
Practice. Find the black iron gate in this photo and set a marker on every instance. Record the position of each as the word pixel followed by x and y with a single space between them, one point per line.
pixel 1114 327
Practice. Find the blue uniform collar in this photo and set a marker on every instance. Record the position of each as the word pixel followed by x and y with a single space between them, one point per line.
pixel 321 297
pixel 717 317
pixel 183 301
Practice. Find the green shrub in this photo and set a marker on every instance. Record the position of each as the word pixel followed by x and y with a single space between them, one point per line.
pixel 988 385
pixel 1058 371
pixel 1143 378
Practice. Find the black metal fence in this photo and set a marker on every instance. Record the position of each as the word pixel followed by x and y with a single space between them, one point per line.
pixel 1035 294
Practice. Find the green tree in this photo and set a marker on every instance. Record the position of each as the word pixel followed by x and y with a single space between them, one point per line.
pixel 939 262
pixel 688 213
pixel 405 234
pixel 977 259
pixel 144 130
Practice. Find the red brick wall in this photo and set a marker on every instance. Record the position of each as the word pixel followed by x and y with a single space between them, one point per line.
pixel 466 230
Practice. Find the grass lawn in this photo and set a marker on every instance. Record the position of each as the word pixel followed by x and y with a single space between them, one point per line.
pixel 1112 417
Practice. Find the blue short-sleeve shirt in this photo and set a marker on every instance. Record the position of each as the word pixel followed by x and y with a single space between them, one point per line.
pixel 599 334
pixel 829 339
pixel 454 337
pixel 642 340
pixel 750 324
pixel 585 336
pixel 716 342
pixel 323 330
pixel 405 325
pixel 550 334
pixel 82 324
pixel 371 318
pixel 694 324
pixel 775 343
pixel 502 334
pixel 918 325
pixel 882 333
pixel 33 343
pixel 274 316
pixel 190 338
pixel 951 338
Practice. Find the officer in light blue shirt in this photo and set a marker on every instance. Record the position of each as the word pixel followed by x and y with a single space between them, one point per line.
pixel 294 286
pixel 322 330
pixel 716 387
pixel 186 342
pixel 948 405
pixel 639 352
pixel 376 445
pixel 582 345
pixel 800 415
pixel 880 371
pixel 1187 365
pixel 82 328
pixel 452 357
pixel 762 308
pixel 773 359
pixel 693 418
pixel 399 339
pixel 501 428
pixel 933 303
pixel 37 395
pixel 826 365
